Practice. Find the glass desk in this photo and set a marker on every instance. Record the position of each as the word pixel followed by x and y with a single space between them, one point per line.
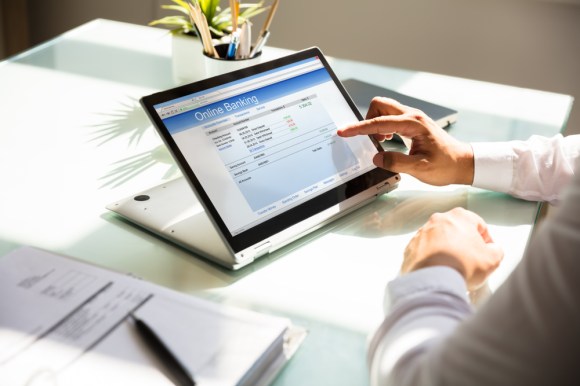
pixel 73 139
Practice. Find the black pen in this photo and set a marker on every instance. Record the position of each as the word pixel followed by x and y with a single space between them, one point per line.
pixel 174 368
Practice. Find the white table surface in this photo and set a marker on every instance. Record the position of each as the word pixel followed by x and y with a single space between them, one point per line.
pixel 73 139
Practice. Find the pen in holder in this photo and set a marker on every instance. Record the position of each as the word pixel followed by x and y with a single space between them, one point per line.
pixel 217 66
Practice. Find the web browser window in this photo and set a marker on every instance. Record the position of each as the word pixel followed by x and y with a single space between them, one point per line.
pixel 263 144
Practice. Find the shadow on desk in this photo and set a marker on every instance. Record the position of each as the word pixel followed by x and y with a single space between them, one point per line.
pixel 183 269
pixel 130 123
pixel 393 214
pixel 405 212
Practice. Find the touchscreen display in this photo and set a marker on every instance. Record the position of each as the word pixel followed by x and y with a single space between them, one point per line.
pixel 263 144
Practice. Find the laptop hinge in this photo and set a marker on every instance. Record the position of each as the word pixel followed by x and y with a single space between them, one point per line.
pixel 388 185
pixel 262 249
pixel 248 255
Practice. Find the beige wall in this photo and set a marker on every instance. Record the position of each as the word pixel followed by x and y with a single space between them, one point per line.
pixel 527 43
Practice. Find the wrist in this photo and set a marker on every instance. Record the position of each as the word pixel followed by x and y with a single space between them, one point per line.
pixel 465 165
pixel 439 260
pixel 431 279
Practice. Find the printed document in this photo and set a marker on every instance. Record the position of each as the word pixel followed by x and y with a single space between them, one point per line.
pixel 63 322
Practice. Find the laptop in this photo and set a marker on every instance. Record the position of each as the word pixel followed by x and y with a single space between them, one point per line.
pixel 261 162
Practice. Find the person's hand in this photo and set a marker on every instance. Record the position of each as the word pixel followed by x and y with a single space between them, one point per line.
pixel 458 239
pixel 434 156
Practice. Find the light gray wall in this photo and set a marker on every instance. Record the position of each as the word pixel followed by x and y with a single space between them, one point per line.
pixel 527 43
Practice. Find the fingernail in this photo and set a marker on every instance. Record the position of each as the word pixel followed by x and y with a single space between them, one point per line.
pixel 378 160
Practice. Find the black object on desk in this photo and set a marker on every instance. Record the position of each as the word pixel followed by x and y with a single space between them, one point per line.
pixel 362 93
pixel 174 368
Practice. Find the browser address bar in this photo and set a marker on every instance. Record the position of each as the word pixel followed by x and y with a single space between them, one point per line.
pixel 243 87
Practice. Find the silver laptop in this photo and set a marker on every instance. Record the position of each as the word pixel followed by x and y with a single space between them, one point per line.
pixel 261 162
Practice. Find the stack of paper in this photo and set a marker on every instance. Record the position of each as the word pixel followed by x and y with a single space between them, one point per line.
pixel 64 322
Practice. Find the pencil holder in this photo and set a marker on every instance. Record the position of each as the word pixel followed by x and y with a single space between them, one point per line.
pixel 221 65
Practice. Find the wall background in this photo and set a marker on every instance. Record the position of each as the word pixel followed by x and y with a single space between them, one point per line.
pixel 526 43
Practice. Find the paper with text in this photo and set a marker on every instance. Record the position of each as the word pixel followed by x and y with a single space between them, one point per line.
pixel 63 322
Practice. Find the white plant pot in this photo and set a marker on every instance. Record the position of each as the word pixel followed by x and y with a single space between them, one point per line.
pixel 187 59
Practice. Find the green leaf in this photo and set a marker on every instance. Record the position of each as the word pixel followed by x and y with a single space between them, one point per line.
pixel 219 20
pixel 252 5
pixel 216 31
pixel 177 8
pixel 181 3
pixel 170 20
pixel 209 7
pixel 251 12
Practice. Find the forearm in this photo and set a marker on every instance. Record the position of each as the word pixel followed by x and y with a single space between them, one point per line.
pixel 536 169
pixel 525 334
pixel 423 307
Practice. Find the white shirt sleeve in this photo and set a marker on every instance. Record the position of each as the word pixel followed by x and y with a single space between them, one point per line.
pixel 535 169
pixel 527 333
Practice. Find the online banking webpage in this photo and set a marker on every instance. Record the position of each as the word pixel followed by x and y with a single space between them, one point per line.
pixel 266 143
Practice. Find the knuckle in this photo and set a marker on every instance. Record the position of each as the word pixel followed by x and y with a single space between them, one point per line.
pixel 377 100
pixel 437 217
pixel 383 100
pixel 458 210
pixel 417 115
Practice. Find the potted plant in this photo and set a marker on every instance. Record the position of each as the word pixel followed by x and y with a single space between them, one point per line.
pixel 187 61
pixel 218 19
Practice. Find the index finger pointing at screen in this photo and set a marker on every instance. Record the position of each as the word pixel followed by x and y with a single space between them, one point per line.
pixel 383 125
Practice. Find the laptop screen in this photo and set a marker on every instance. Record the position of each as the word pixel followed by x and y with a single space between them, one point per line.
pixel 263 144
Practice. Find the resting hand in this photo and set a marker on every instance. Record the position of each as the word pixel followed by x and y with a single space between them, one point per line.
pixel 458 239
pixel 434 156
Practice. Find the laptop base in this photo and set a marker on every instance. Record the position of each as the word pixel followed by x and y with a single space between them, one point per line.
pixel 172 211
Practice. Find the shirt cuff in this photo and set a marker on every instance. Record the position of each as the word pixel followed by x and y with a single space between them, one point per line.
pixel 440 279
pixel 494 165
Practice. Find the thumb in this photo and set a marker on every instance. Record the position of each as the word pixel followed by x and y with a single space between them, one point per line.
pixel 394 161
